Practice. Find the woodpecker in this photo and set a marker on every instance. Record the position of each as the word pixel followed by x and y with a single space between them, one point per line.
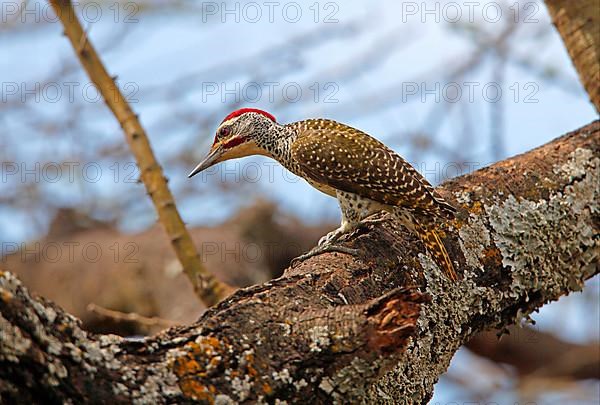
pixel 363 174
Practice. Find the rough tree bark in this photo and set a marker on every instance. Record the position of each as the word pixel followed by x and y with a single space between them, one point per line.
pixel 578 23
pixel 381 327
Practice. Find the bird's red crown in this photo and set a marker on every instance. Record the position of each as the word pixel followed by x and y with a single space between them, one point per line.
pixel 241 111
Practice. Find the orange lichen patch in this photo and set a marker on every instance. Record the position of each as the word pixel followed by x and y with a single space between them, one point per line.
pixel 187 364
pixel 5 295
pixel 477 208
pixel 209 344
pixel 195 390
pixel 214 362
pixel 249 365
pixel 194 366
pixel 492 256
pixel 267 389
pixel 252 371
pixel 199 362
pixel 63 327
pixel 456 223
pixel 335 348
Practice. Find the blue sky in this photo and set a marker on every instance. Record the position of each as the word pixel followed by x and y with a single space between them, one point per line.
pixel 398 45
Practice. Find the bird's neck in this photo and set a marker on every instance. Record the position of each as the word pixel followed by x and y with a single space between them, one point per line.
pixel 277 141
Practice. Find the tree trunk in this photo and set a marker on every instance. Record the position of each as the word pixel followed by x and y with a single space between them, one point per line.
pixel 379 328
pixel 578 23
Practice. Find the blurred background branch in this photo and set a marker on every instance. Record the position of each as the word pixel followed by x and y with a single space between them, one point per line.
pixel 209 289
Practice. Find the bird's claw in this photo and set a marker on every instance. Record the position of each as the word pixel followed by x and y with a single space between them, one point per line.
pixel 374 221
pixel 320 249
pixel 329 238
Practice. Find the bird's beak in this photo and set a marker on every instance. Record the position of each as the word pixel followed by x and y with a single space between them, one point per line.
pixel 213 157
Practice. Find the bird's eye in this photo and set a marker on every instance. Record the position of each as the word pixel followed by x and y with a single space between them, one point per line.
pixel 223 132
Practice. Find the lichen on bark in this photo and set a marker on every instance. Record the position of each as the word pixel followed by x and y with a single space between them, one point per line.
pixel 381 327
pixel 547 247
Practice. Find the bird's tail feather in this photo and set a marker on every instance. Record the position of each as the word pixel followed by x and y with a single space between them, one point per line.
pixel 435 247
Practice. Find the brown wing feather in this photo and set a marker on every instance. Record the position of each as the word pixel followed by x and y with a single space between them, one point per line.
pixel 348 159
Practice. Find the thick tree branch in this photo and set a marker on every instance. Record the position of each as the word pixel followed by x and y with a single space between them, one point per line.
pixel 209 289
pixel 380 328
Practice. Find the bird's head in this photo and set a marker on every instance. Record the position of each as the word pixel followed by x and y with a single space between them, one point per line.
pixel 237 137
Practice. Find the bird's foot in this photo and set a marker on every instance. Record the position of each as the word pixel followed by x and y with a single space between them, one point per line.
pixel 331 237
pixel 325 248
pixel 327 244
pixel 375 221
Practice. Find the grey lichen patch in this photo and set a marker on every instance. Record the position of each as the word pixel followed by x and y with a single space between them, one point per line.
pixel 319 338
pixel 56 371
pixel 119 388
pixel 444 320
pixel 39 318
pixel 111 341
pixel 455 303
pixel 159 385
pixel 355 374
pixel 326 385
pixel 12 342
pixel 300 384
pixel 43 312
pixel 538 240
pixel 349 384
pixel 8 283
pixel 548 245
pixel 577 165
pixel 242 387
pixel 474 238
pixel 440 330
pixel 462 197
pixel 46 313
pixel 287 329
pixel 283 376
pixel 222 399
pixel 98 354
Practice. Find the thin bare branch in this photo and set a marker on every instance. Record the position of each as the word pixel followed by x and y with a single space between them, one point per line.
pixel 209 289
pixel 130 316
